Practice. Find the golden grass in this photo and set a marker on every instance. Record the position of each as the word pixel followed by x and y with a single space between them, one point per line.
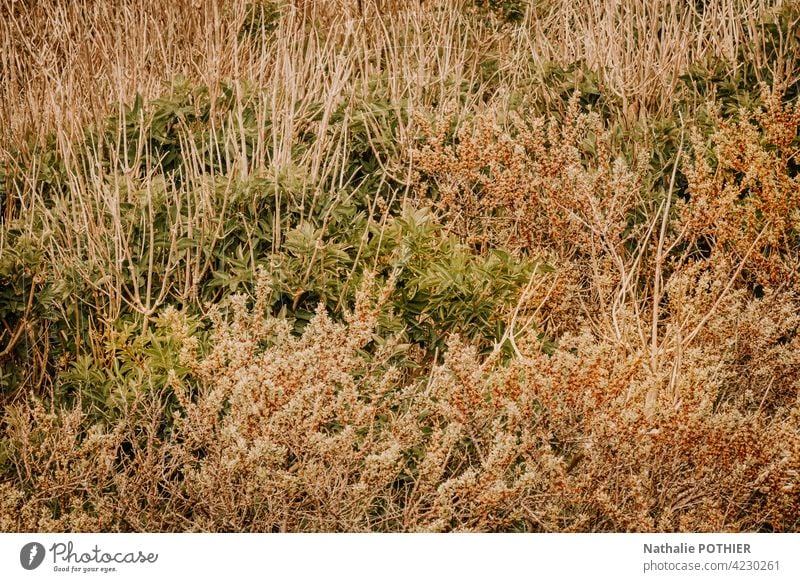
pixel 64 64
pixel 312 434
pixel 671 401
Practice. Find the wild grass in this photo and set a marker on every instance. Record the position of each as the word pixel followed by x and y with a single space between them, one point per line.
pixel 399 265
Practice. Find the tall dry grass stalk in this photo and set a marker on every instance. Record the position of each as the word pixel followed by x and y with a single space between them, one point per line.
pixel 641 48
pixel 65 64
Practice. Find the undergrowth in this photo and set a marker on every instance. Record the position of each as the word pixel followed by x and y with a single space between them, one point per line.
pixel 399 266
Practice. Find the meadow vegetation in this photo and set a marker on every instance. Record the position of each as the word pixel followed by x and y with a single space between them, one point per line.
pixel 400 265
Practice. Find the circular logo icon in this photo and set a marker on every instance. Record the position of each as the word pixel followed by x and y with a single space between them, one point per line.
pixel 31 555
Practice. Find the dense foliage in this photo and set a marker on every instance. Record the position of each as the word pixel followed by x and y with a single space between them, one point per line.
pixel 400 266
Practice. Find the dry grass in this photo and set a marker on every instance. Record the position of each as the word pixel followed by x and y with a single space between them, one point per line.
pixel 642 48
pixel 66 64
pixel 666 398
pixel 311 433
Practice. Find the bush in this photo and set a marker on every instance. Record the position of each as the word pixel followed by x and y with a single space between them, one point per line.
pixel 277 432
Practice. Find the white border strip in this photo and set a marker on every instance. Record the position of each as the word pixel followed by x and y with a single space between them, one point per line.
pixel 401 557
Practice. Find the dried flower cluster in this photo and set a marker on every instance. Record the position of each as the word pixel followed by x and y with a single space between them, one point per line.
pixel 745 206
pixel 323 433
pixel 551 187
